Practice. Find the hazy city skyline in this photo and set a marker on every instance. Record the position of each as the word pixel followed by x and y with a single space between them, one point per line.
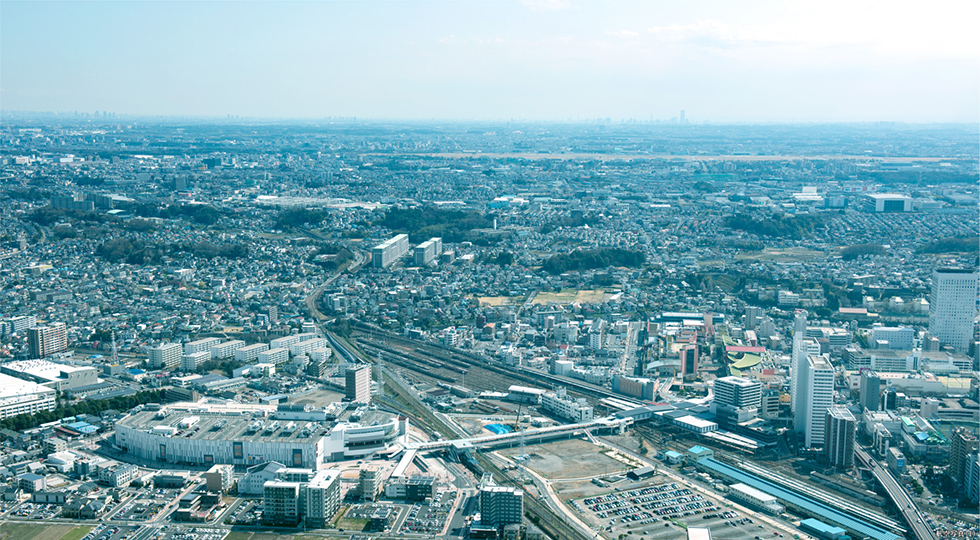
pixel 536 60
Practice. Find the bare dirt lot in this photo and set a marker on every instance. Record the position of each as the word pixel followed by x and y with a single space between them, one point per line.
pixel 570 458
pixel 317 398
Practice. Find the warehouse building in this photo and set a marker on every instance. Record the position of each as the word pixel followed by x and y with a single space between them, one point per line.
pixel 58 376
pixel 755 498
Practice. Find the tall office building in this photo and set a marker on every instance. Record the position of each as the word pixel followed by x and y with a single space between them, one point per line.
pixel 839 433
pixel 500 506
pixel 357 383
pixel 689 360
pixel 798 366
pixel 952 307
pixel 44 341
pixel 964 442
pixel 870 391
pixel 817 384
pixel 165 356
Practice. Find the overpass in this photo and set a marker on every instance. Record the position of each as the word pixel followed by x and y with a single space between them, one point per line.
pixel 536 434
pixel 898 495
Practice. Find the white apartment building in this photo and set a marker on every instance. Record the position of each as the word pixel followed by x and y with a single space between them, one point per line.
pixel 201 345
pixel 274 356
pixel 250 353
pixel 165 356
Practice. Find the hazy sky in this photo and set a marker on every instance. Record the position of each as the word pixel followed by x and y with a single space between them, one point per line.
pixel 537 60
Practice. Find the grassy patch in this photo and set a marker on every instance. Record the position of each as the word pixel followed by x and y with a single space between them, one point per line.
pixel 77 533
pixel 781 255
pixel 353 525
pixel 568 296
pixel 238 535
pixel 30 531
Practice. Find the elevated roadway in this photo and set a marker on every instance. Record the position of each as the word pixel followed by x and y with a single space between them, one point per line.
pixel 898 495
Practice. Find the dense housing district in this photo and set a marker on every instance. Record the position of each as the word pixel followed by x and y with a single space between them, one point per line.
pixel 491 331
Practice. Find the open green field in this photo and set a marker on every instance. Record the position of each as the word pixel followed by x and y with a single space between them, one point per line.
pixel 569 296
pixel 31 531
pixel 781 255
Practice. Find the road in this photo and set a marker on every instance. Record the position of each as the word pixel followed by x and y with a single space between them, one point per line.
pixel 898 495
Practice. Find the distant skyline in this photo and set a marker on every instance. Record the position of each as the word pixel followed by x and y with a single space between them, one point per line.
pixel 736 61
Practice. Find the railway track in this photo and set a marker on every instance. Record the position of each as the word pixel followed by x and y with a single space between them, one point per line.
pixel 502 376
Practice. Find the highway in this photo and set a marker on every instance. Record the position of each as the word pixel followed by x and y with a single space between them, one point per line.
pixel 898 495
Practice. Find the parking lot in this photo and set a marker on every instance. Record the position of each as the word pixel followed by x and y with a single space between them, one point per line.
pixel 247 513
pixel 37 511
pixel 195 533
pixel 109 532
pixel 645 505
pixel 429 519
pixel 663 511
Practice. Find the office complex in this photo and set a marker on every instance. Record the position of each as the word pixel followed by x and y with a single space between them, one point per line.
pixel 953 306
pixel 357 384
pixel 736 399
pixel 382 255
pixel 897 338
pixel 839 431
pixel 165 356
pixel 43 341
pixel 562 406
pixel 817 385
pixel 500 506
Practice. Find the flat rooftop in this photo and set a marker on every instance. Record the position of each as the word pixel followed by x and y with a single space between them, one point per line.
pixel 43 368
pixel 12 388
pixel 223 427
pixel 245 424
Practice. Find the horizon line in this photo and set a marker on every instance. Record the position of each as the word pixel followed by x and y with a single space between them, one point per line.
pixel 79 116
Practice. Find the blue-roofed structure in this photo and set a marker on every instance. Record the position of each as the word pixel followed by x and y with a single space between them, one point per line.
pixel 821 529
pixel 799 502
pixel 498 429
